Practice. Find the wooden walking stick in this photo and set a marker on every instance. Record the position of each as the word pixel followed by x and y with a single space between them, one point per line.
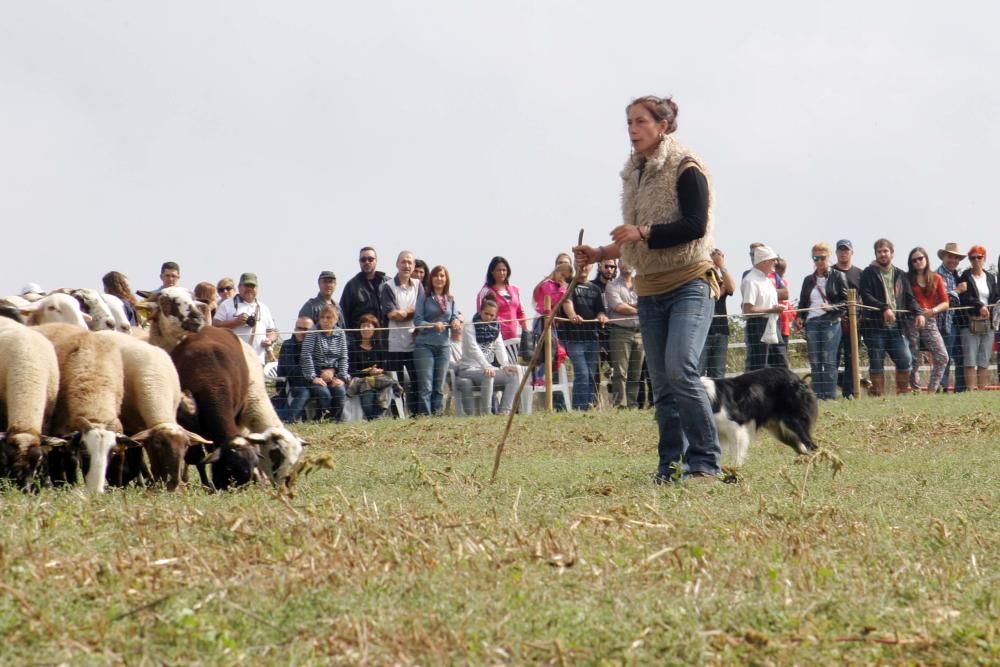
pixel 549 319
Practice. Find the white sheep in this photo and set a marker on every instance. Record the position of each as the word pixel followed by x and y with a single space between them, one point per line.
pixel 280 448
pixel 55 307
pixel 149 407
pixel 117 308
pixel 91 389
pixel 92 304
pixel 29 383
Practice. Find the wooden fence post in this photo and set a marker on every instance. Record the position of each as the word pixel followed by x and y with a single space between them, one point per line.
pixel 852 325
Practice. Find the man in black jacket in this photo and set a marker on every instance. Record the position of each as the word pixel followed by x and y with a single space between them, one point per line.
pixel 850 275
pixel 884 291
pixel 361 293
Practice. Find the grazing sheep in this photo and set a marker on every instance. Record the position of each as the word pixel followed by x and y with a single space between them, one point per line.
pixel 56 307
pixel 149 413
pixel 173 314
pixel 280 448
pixel 91 388
pixel 29 383
pixel 212 370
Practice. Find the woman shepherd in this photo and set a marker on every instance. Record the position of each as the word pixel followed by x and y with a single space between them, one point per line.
pixel 667 237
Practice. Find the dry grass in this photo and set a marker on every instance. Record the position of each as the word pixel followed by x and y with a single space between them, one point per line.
pixel 404 553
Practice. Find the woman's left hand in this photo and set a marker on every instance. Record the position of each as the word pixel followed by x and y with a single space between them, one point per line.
pixel 625 234
pixel 439 326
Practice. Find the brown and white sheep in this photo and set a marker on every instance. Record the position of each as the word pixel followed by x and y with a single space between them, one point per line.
pixel 91 388
pixel 212 370
pixel 149 412
pixel 29 384
pixel 173 314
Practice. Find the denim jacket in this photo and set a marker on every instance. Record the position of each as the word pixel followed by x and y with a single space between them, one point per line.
pixel 429 312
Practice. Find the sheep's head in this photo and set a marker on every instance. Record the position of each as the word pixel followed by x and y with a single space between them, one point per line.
pixel 56 307
pixel 167 446
pixel 174 313
pixel 24 456
pixel 93 305
pixel 236 463
pixel 280 451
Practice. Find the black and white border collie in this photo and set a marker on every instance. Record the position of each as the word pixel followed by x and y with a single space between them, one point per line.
pixel 773 398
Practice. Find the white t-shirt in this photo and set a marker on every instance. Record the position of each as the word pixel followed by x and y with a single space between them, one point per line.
pixel 816 299
pixel 400 336
pixel 230 308
pixel 758 290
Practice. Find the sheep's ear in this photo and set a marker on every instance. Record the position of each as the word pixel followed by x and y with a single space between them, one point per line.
pixel 256 438
pixel 86 316
pixel 141 436
pixel 49 443
pixel 195 438
pixel 212 456
pixel 123 439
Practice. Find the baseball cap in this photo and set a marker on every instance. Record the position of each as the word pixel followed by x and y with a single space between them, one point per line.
pixel 32 288
pixel 248 279
pixel 845 243
pixel 327 275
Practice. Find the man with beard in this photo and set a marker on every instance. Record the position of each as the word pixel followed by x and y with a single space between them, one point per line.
pixel 886 292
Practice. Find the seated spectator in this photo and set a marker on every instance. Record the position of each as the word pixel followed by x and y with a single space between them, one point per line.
pixel 435 314
pixel 324 361
pixel 291 401
pixel 204 293
pixel 485 363
pixel 327 283
pixel 116 284
pixel 368 379
pixel 249 319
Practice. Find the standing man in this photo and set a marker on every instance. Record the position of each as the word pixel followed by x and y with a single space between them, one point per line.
pixel 852 275
pixel 327 283
pixel 714 356
pixel 950 255
pixel 362 292
pixel 886 290
pixel 170 275
pixel 399 304
pixel 625 346
pixel 760 301
pixel 249 319
pixel 606 272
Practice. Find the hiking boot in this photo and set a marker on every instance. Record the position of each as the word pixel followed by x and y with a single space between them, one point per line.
pixel 702 478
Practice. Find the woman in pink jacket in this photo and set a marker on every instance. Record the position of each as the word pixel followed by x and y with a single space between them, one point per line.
pixel 510 313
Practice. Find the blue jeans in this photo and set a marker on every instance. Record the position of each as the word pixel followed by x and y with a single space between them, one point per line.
pixel 881 340
pixel 329 400
pixel 713 356
pixel 674 327
pixel 431 362
pixel 844 352
pixel 956 355
pixel 822 341
pixel 585 355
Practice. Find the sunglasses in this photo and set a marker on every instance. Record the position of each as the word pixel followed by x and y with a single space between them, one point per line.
pixel 819 258
pixel 919 259
pixel 301 329
pixel 366 259
pixel 610 267
pixel 228 288
pixel 977 257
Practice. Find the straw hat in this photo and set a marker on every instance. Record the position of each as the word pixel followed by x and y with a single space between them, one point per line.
pixel 951 249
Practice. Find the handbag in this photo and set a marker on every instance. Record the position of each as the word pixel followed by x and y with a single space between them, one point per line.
pixel 526 349
pixel 979 325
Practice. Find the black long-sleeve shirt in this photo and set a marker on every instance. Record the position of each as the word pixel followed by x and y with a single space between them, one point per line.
pixel 692 195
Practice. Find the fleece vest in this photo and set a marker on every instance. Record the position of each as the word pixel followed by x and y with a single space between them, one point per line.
pixel 652 200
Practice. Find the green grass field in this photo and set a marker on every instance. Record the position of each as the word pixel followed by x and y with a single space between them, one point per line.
pixel 404 552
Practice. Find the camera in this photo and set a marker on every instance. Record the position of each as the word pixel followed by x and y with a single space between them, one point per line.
pixel 251 321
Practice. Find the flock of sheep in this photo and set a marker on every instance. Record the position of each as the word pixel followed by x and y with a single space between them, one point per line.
pixel 80 389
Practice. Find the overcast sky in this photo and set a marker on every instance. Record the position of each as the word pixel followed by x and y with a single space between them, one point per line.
pixel 281 137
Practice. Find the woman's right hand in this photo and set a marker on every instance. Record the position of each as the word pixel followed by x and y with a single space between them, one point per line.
pixel 584 254
pixel 320 381
pixel 490 372
pixel 439 326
